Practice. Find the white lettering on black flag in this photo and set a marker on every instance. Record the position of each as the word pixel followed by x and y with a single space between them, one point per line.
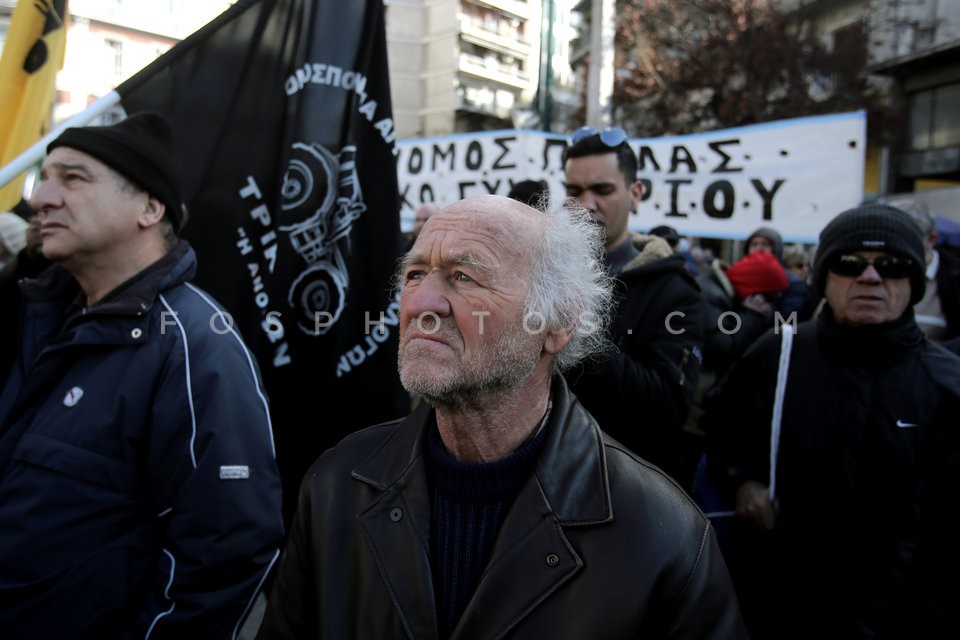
pixel 283 123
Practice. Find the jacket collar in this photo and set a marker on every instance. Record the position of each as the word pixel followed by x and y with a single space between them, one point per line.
pixel 871 345
pixel 571 469
pixel 650 248
pixel 130 298
pixel 568 488
pixel 138 294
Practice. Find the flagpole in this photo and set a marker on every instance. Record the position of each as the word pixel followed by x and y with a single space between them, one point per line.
pixel 29 157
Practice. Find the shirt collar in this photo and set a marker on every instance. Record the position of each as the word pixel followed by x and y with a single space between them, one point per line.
pixel 934 265
pixel 136 294
pixel 620 256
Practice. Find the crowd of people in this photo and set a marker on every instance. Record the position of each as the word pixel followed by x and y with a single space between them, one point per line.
pixel 616 436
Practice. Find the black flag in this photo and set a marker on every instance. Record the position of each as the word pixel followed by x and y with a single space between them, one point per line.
pixel 282 117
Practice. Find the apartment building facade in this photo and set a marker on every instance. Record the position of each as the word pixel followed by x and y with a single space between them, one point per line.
pixel 913 50
pixel 474 65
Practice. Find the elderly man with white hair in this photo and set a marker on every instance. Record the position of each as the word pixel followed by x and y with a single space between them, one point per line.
pixel 498 508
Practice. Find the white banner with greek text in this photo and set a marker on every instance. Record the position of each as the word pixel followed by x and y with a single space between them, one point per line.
pixel 792 175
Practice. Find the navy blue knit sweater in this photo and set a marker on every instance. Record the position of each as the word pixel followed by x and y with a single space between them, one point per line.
pixel 469 502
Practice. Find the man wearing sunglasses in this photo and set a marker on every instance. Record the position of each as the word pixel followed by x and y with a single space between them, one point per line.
pixel 641 391
pixel 857 542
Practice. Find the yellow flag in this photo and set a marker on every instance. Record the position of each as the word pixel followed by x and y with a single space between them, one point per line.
pixel 32 55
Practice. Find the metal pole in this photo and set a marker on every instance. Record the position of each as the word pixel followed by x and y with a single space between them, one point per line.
pixel 547 84
pixel 600 79
pixel 35 153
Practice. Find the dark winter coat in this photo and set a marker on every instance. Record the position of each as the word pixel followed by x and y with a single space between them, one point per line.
pixel 138 486
pixel 596 545
pixel 867 479
pixel 28 266
pixel 641 392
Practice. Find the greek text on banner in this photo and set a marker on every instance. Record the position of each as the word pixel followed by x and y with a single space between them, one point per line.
pixel 793 175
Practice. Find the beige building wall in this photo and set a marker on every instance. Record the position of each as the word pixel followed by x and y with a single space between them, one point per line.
pixel 421 50
pixel 108 41
pixel 460 65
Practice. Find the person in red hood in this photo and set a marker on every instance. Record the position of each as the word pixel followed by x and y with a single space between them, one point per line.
pixel 738 306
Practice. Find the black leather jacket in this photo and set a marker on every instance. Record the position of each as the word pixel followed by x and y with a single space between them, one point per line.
pixel 598 544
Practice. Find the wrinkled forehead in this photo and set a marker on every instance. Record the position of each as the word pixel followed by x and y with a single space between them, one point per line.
pixel 495 235
pixel 64 157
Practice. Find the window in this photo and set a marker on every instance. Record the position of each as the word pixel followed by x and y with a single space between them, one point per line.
pixel 918 131
pixel 946 116
pixel 849 40
pixel 934 118
pixel 849 56
pixel 116 49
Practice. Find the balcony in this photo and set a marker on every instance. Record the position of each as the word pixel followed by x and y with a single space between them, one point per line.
pixel 483 102
pixel 515 8
pixel 493 70
pixel 494 35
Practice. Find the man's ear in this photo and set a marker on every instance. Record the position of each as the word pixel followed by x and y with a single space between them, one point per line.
pixel 152 212
pixel 556 340
pixel 636 194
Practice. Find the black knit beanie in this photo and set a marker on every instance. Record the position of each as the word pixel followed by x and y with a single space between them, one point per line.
pixel 141 149
pixel 873 227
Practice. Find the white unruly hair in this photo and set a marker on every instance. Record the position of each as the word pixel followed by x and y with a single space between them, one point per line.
pixel 569 286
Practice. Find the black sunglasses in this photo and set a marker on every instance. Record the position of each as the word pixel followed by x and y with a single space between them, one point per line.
pixel 611 136
pixel 852 266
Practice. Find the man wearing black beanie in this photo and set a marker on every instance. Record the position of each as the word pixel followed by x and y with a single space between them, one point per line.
pixel 857 542
pixel 141 149
pixel 139 494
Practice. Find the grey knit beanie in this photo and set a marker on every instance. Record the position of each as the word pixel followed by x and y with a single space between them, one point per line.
pixel 873 227
pixel 770 234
